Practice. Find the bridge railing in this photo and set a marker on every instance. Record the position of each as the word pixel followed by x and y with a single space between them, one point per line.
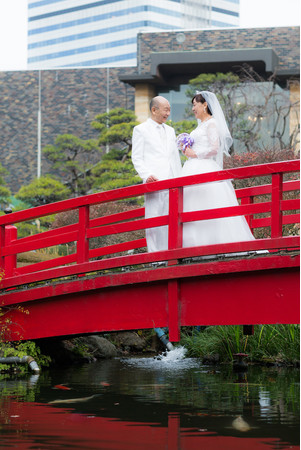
pixel 278 212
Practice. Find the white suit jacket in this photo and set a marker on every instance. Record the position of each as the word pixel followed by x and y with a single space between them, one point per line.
pixel 149 154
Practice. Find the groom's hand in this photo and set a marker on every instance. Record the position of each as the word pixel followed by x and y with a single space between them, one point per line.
pixel 151 178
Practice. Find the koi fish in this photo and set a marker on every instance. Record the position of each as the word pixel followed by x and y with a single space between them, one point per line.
pixel 152 385
pixel 240 424
pixel 62 386
pixel 72 400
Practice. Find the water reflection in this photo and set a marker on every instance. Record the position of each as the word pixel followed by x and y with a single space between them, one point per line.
pixel 140 403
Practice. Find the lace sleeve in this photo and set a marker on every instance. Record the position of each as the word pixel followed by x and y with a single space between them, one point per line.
pixel 211 146
pixel 213 138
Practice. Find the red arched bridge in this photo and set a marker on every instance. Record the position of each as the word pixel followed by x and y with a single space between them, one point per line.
pixel 120 286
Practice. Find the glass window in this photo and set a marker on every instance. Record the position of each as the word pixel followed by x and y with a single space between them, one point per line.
pixel 267 114
pixel 178 101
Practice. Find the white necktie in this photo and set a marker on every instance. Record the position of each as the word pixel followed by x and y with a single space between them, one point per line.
pixel 162 133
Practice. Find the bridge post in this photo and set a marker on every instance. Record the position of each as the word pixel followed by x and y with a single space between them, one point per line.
pixel 175 240
pixel 248 330
pixel 8 235
pixel 276 213
pixel 83 241
pixel 173 311
pixel 10 261
pixel 175 226
pixel 2 243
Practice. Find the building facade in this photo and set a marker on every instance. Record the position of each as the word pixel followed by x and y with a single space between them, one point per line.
pixel 103 33
pixel 71 98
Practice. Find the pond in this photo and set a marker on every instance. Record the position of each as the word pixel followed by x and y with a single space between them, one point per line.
pixel 147 403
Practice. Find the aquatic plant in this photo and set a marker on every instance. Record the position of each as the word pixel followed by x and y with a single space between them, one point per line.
pixel 270 343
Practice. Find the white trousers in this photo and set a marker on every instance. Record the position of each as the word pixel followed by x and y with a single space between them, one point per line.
pixel 156 204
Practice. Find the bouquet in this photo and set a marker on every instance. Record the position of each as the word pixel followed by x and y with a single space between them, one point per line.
pixel 184 140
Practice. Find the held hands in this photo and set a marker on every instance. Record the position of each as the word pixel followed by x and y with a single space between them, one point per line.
pixel 190 153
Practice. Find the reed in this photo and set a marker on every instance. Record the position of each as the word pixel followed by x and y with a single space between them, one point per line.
pixel 270 343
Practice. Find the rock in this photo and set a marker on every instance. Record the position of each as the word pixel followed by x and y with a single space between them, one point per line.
pixel 211 359
pixel 129 341
pixel 64 352
pixel 99 346
pixel 90 348
pixel 77 350
pixel 156 344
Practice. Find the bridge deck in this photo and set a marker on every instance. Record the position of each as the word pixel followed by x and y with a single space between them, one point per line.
pixel 106 289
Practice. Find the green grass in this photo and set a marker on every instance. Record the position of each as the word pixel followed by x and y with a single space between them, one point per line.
pixel 269 343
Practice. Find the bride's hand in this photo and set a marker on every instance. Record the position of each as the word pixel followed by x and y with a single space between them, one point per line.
pixel 190 153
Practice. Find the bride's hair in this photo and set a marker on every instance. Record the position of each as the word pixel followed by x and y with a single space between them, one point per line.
pixel 221 124
pixel 200 99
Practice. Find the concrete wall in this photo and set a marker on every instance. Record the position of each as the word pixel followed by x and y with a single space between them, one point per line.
pixel 70 99
pixel 284 40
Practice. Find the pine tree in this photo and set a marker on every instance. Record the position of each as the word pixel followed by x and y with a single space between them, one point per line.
pixel 115 169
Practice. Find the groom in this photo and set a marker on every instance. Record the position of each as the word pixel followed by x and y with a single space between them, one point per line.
pixel 155 157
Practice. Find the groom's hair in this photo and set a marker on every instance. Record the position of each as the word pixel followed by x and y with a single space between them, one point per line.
pixel 154 103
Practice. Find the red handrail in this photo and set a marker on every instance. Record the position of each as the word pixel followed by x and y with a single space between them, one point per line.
pixel 87 228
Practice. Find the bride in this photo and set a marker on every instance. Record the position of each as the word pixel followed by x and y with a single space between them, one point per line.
pixel 211 139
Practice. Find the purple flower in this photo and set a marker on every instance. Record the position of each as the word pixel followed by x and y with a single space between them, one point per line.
pixel 184 140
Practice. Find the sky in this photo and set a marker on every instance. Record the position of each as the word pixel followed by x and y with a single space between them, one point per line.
pixel 13 24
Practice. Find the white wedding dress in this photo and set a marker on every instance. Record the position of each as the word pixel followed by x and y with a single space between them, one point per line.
pixel 210 195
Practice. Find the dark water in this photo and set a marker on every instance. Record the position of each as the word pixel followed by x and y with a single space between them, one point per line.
pixel 142 403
